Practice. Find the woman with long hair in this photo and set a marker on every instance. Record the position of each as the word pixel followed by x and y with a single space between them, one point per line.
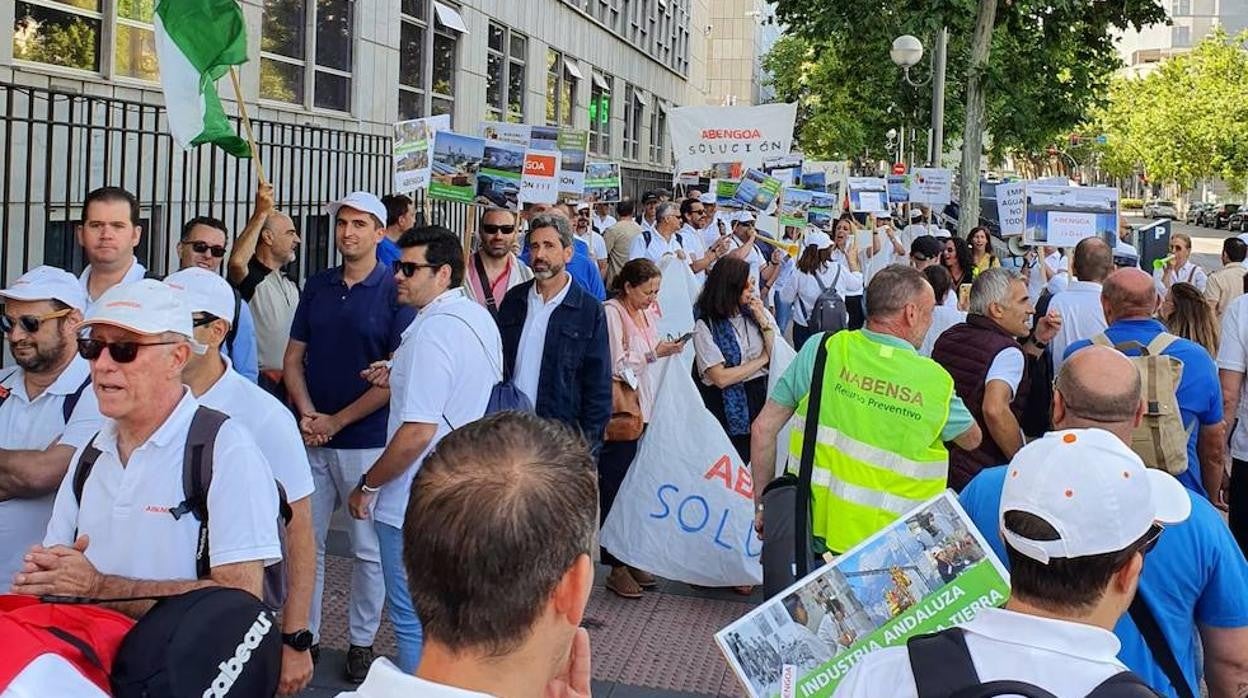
pixel 845 252
pixel 1178 266
pixel 635 346
pixel 817 271
pixel 958 262
pixel 1187 314
pixel 982 257
pixel 733 337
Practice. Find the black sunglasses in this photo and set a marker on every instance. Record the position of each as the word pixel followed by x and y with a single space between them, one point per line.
pixel 201 247
pixel 490 229
pixel 30 323
pixel 204 319
pixel 121 352
pixel 408 269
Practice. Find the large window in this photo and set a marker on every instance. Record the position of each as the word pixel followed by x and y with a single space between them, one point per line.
pixel 1179 8
pixel 562 77
pixel 427 59
pixel 600 115
pixel 634 108
pixel 1180 37
pixel 306 51
pixel 69 33
pixel 505 73
pixel 658 131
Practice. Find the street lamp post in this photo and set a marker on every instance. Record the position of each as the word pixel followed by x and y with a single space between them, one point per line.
pixel 906 52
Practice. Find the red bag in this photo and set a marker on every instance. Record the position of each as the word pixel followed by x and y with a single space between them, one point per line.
pixel 86 636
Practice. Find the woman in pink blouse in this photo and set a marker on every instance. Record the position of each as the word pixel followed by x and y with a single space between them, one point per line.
pixel 635 347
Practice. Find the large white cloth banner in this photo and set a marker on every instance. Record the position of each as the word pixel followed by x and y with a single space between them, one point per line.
pixel 685 511
pixel 678 291
pixel 704 136
pixel 781 356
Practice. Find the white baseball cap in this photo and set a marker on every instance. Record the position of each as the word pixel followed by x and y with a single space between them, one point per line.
pixel 144 307
pixel 708 198
pixel 364 201
pixel 939 232
pixel 204 292
pixel 1092 489
pixel 818 238
pixel 883 214
pixel 915 214
pixel 582 206
pixel 45 283
pixel 743 217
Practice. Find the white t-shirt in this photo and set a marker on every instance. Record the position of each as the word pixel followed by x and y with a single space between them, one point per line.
pixel 136 272
pixel 603 223
pixel 528 370
pixel 755 259
pixel 658 248
pixel 27 425
pixel 1062 657
pixel 128 506
pixel 1082 317
pixel 1189 272
pixel 271 426
pixel 943 317
pixel 442 373
pixel 596 243
pixel 804 291
pixel 1233 356
pixel 385 680
pixel 1007 366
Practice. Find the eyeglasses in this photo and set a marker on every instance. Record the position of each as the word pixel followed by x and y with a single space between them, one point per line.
pixel 697 211
pixel 408 269
pixel 30 323
pixel 200 247
pixel 121 352
pixel 490 229
pixel 205 319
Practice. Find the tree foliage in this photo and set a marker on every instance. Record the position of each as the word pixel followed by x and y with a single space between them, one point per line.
pixel 1185 121
pixel 1050 64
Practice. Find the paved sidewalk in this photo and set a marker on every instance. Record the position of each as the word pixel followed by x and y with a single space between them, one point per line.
pixel 659 646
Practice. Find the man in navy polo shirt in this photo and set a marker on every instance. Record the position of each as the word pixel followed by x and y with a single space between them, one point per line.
pixel 1193 581
pixel 348 317
pixel 1129 300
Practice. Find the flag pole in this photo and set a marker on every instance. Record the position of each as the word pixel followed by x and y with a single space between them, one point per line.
pixel 251 139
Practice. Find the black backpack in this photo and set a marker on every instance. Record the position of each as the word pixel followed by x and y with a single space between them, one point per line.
pixel 196 479
pixel 67 407
pixel 680 239
pixel 943 668
pixel 830 314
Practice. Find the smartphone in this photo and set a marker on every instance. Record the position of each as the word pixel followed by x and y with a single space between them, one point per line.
pixel 964 295
pixel 684 338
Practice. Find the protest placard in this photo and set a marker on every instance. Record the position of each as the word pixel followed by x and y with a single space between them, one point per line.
pixel 704 136
pixel 795 206
pixel 726 192
pixel 931 186
pixel 898 188
pixel 456 160
pixel 1061 216
pixel 757 190
pixel 516 134
pixel 602 182
pixel 868 194
pixel 824 208
pixel 413 151
pixel 931 569
pixel 572 145
pixel 540 184
pixel 1011 208
pixel 500 174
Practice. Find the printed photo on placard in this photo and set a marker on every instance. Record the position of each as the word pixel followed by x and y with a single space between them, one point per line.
pixel 1061 216
pixel 757 190
pixel 602 182
pixel 498 180
pixel 795 205
pixel 456 161
pixel 868 194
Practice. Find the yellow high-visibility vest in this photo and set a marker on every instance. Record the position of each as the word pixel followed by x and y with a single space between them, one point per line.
pixel 878 453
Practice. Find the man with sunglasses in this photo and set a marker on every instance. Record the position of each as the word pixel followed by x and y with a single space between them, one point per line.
pixel 109 234
pixel 47 407
pixel 348 318
pixel 494 269
pixel 269 422
pixel 1192 585
pixel 593 239
pixel 114 537
pixel 203 245
pixel 1079 512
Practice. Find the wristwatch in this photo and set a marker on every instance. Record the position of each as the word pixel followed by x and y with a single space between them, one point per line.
pixel 1038 344
pixel 364 485
pixel 299 641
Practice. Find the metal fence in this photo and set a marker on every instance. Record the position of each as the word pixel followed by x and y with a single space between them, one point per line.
pixel 57 146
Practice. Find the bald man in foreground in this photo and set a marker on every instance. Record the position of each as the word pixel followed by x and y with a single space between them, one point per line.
pixel 1129 299
pixel 1193 581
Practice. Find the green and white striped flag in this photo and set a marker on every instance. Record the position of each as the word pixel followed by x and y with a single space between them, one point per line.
pixel 196 43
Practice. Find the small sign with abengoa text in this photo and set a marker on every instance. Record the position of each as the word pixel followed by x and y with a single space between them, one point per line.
pixel 540 183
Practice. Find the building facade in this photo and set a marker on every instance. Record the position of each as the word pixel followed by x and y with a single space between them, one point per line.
pixel 80 103
pixel 1190 22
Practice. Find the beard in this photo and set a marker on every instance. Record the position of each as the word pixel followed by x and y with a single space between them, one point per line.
pixel 544 271
pixel 45 357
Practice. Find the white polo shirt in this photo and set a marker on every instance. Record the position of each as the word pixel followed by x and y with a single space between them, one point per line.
pixel 596 244
pixel 658 248
pixel 125 509
pixel 1062 657
pixel 1082 317
pixel 528 369
pixel 34 425
pixel 270 424
pixel 1233 356
pixel 442 373
pixel 385 680
pixel 136 272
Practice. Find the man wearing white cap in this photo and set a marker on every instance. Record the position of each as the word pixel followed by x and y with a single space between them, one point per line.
pixel 47 409
pixel 602 218
pixel 715 224
pixel 1191 588
pixel 348 318
pixel 112 534
pixel 743 244
pixel 211 380
pixel 1079 511
pixel 109 234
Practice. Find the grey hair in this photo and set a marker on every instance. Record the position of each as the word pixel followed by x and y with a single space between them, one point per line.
pixel 991 286
pixel 667 208
pixel 559 223
pixel 892 288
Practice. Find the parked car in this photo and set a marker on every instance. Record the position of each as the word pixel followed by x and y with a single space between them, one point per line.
pixel 1161 209
pixel 1194 211
pixel 1218 216
pixel 1238 221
